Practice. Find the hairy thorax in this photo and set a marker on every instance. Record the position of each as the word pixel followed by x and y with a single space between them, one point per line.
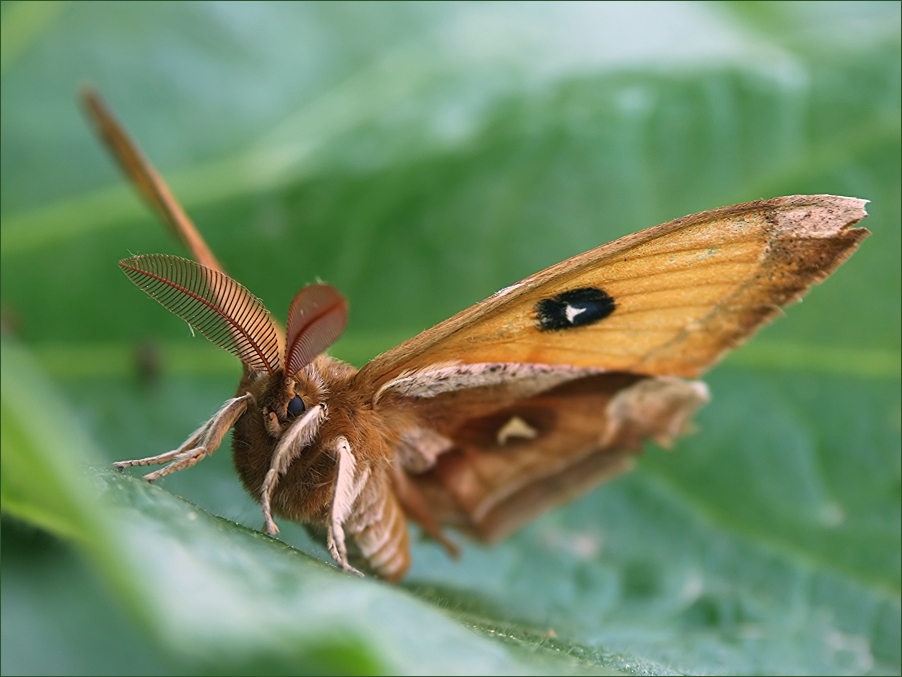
pixel 306 491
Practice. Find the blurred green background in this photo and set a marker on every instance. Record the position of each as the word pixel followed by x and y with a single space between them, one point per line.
pixel 420 157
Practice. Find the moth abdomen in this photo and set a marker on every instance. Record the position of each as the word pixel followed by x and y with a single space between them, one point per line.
pixel 378 528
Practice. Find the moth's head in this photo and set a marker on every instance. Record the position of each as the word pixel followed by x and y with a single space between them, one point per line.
pixel 283 373
pixel 288 398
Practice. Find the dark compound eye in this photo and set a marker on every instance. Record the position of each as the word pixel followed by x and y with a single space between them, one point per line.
pixel 574 308
pixel 296 407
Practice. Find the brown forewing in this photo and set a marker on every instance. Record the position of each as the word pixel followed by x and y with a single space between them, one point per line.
pixel 685 292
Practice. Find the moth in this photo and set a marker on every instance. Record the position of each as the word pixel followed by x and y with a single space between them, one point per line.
pixel 519 403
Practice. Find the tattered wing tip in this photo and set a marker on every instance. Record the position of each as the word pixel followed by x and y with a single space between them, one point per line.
pixel 820 216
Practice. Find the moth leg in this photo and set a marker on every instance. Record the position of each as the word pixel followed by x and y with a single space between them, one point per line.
pixel 168 456
pixel 347 489
pixel 293 442
pixel 202 442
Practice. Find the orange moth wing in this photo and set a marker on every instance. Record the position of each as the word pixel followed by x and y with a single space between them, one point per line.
pixel 684 293
pixel 541 391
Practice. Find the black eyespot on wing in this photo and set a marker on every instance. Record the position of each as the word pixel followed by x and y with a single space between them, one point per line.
pixel 574 308
pixel 296 407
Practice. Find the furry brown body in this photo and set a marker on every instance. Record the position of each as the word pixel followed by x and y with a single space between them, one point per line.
pixel 306 493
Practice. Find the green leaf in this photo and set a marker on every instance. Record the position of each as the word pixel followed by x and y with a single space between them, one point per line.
pixel 419 157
